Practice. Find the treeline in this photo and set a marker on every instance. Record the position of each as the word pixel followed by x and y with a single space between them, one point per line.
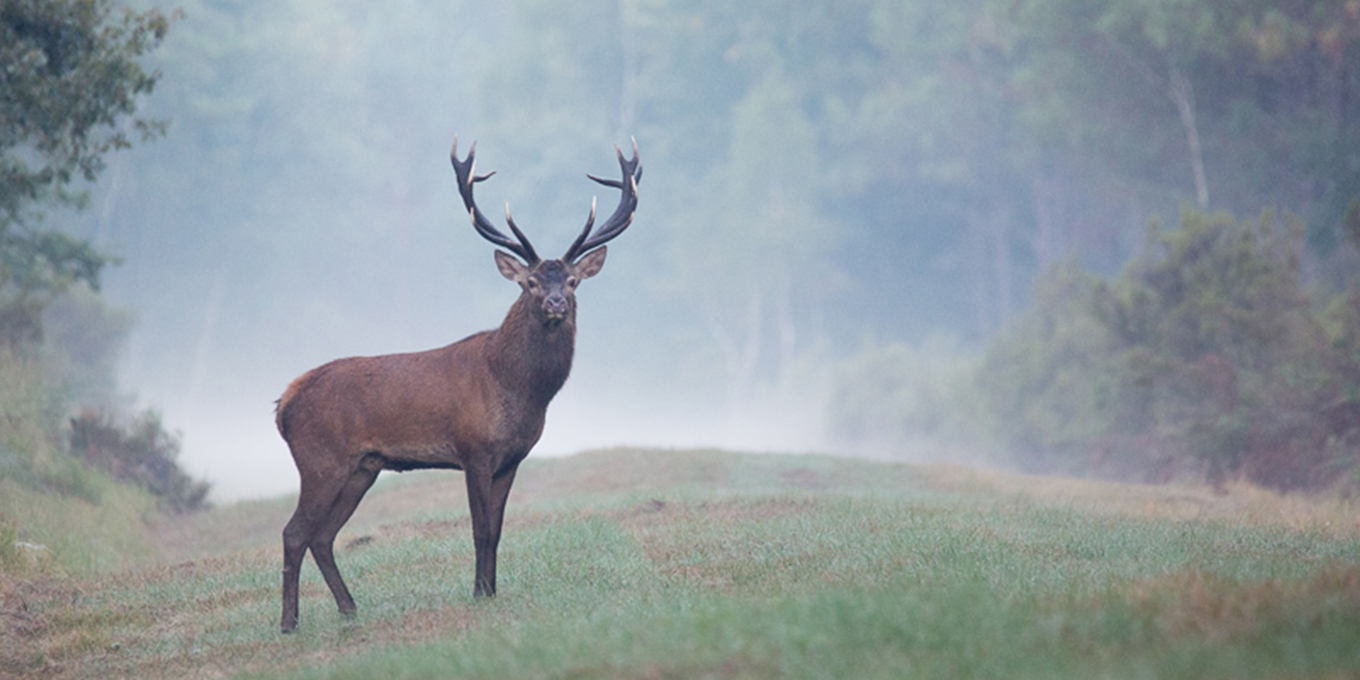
pixel 71 78
pixel 1208 357
pixel 819 174
pixel 826 182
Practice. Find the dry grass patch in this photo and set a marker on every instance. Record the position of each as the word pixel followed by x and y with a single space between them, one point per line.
pixel 749 544
pixel 1238 501
pixel 1203 605
pixel 620 471
pixel 212 618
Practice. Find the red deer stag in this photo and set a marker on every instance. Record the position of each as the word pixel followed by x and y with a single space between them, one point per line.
pixel 476 405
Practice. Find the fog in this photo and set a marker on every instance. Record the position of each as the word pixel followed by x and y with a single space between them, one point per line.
pixel 820 180
pixel 302 209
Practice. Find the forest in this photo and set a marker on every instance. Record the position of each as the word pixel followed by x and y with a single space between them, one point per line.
pixel 1109 238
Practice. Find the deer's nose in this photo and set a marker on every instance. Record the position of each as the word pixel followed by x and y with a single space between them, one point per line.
pixel 555 303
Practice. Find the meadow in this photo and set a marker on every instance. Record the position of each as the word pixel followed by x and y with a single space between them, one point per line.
pixel 686 564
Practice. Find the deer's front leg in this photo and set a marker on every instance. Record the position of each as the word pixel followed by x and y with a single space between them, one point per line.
pixel 484 537
pixel 486 499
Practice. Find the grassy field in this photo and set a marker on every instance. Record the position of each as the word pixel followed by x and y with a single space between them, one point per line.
pixel 688 564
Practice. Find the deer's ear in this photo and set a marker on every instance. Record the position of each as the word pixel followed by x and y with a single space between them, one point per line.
pixel 510 267
pixel 591 264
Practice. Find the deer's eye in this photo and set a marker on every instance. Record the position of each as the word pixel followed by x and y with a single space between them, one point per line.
pixel 533 284
pixel 571 282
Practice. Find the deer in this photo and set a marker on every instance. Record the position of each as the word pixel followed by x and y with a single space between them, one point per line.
pixel 477 405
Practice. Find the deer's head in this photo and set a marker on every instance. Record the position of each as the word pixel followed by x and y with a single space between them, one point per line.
pixel 551 284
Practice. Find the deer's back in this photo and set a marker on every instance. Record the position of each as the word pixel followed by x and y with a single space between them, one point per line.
pixel 416 410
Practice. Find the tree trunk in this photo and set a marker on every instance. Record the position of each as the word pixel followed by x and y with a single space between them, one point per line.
pixel 1180 93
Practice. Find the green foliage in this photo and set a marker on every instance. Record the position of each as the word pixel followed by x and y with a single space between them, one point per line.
pixel 1341 323
pixel 35 266
pixel 49 500
pixel 39 386
pixel 1047 381
pixel 1146 89
pixel 70 84
pixel 1041 129
pixel 142 453
pixel 1205 356
pixel 70 81
pixel 59 511
pixel 71 77
pixel 1351 223
pixel 31 409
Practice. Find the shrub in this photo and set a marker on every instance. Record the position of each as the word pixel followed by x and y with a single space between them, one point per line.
pixel 1205 358
pixel 141 452
pixel 1048 382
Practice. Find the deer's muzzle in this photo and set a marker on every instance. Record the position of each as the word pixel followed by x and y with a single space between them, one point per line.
pixel 556 305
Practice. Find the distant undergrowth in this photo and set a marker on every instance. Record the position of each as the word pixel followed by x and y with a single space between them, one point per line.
pixel 1208 357
pixel 140 452
pixel 76 478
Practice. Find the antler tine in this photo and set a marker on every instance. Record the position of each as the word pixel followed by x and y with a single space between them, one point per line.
pixel 519 234
pixel 623 214
pixel 575 248
pixel 466 171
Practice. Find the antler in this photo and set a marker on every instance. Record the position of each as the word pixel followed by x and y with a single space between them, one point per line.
pixel 465 170
pixel 623 215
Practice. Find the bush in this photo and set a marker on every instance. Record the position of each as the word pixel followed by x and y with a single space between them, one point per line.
pixel 1205 358
pixel 40 384
pixel 78 497
pixel 141 452
pixel 1047 384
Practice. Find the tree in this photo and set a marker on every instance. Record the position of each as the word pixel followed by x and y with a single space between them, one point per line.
pixel 1235 104
pixel 70 80
pixel 1205 356
pixel 741 93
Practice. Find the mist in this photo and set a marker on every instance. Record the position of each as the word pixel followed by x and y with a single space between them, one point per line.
pixel 821 180
pixel 302 209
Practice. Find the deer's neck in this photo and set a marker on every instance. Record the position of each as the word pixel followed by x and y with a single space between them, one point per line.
pixel 530 359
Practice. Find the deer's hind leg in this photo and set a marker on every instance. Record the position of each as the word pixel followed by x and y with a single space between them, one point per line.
pixel 317 496
pixel 323 544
